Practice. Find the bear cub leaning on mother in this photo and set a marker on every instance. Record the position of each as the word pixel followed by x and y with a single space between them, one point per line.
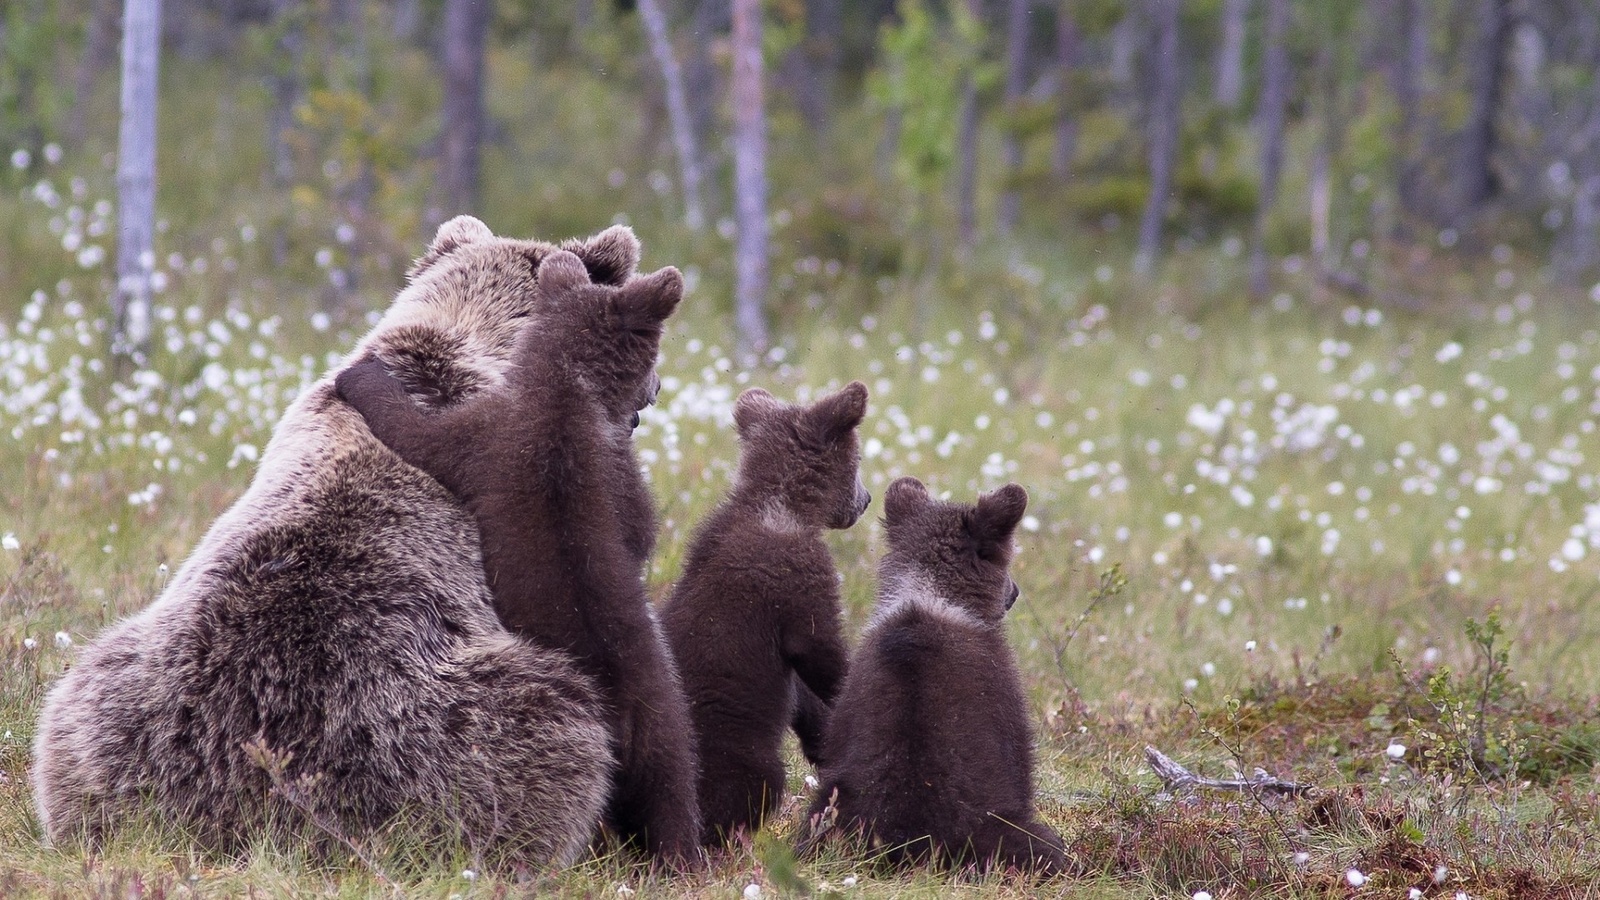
pixel 546 465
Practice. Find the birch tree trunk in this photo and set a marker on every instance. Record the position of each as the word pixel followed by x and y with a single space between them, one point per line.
pixel 1067 38
pixel 466 34
pixel 1163 127
pixel 1230 57
pixel 136 178
pixel 749 180
pixel 1011 146
pixel 655 25
pixel 1269 118
pixel 1409 65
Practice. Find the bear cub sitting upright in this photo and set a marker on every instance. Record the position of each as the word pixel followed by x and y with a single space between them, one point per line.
pixel 929 749
pixel 758 603
pixel 546 466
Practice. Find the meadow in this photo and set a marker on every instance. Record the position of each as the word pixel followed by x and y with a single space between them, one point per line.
pixel 1351 544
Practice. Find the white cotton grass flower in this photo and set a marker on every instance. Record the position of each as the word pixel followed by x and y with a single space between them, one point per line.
pixel 624 891
pixel 1440 874
pixel 1301 859
pixel 1396 751
pixel 469 875
pixel 1202 895
pixel 1414 894
pixel 29 643
pixel 10 542
pixel 752 891
pixel 63 640
pixel 849 881
pixel 1355 878
pixel 812 783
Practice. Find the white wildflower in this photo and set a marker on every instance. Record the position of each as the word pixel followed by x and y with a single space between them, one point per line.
pixel 10 542
pixel 1354 878
pixel 63 640
pixel 1396 751
pixel 752 891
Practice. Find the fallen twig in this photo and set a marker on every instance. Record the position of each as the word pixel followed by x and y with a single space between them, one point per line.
pixel 1176 778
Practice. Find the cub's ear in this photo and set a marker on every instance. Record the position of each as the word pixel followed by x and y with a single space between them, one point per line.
pixel 647 301
pixel 610 256
pixel 560 272
pixel 997 513
pixel 452 234
pixel 905 497
pixel 753 406
pixel 837 414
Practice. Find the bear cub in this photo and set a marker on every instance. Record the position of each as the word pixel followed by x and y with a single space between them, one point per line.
pixel 546 466
pixel 929 748
pixel 754 621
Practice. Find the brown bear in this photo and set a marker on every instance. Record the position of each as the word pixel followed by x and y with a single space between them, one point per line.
pixel 758 602
pixel 337 614
pixel 929 748
pixel 546 465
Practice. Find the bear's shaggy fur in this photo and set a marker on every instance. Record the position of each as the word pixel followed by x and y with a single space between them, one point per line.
pixel 547 467
pixel 338 612
pixel 929 749
pixel 758 603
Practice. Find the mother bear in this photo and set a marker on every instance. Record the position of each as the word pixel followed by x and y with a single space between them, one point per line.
pixel 337 615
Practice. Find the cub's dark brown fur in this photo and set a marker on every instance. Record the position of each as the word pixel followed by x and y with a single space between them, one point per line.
pixel 758 603
pixel 929 746
pixel 546 465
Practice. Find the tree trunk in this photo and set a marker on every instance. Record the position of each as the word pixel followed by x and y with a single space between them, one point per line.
pixel 967 154
pixel 1230 56
pixel 136 178
pixel 1163 129
pixel 655 25
pixel 1067 38
pixel 967 167
pixel 1269 118
pixel 287 88
pixel 466 35
pixel 749 180
pixel 1478 182
pixel 1011 146
pixel 1411 61
pixel 702 76
pixel 99 49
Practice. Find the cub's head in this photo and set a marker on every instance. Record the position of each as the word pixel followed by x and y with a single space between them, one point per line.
pixel 451 331
pixel 606 338
pixel 955 551
pixel 803 461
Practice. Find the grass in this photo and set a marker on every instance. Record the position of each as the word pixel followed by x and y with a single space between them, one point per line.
pixel 1309 501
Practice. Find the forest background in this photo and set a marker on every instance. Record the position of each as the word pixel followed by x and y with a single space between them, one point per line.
pixel 1283 311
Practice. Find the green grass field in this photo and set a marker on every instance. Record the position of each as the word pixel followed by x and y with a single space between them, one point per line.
pixel 1290 535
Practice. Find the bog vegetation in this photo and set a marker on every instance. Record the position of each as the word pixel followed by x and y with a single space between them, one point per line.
pixel 1344 529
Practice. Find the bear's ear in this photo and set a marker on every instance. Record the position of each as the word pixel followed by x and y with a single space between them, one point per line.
pixel 559 273
pixel 452 234
pixel 837 414
pixel 610 256
pixel 647 301
pixel 997 514
pixel 905 497
pixel 753 406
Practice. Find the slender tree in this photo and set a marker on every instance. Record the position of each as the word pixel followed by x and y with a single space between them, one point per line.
pixel 655 26
pixel 288 87
pixel 1269 121
pixel 1163 134
pixel 1410 62
pixel 749 179
pixel 1011 146
pixel 1230 55
pixel 466 35
pixel 967 150
pixel 136 177
pixel 1478 183
pixel 1067 40
pixel 99 47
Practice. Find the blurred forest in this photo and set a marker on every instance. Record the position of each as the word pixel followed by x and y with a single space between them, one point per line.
pixel 1355 142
